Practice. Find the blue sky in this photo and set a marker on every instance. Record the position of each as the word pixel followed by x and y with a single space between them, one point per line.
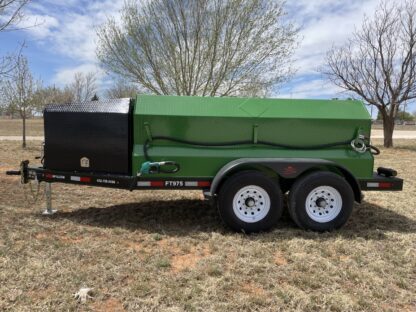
pixel 64 40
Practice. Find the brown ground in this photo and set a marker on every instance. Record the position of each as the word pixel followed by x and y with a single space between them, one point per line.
pixel 12 127
pixel 168 251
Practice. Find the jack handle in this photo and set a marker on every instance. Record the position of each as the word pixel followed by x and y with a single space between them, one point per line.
pixel 13 172
pixel 23 172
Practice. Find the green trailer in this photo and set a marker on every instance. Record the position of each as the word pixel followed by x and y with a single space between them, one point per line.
pixel 245 154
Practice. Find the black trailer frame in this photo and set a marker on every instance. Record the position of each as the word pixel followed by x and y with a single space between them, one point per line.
pixel 379 182
pixel 383 180
pixel 107 180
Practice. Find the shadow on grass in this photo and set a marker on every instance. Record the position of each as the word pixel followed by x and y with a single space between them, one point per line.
pixel 184 217
pixel 172 217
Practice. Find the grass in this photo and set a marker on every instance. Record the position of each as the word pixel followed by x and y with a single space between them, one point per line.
pixel 168 251
pixel 12 127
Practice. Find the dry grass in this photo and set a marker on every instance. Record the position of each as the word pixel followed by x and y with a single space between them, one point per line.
pixel 12 127
pixel 168 251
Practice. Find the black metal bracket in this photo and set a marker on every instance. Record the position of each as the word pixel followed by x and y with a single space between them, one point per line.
pixel 23 172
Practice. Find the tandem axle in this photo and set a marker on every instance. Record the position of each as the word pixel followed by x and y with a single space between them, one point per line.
pixel 383 180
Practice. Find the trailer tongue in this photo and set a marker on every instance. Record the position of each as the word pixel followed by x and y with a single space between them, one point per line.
pixel 243 153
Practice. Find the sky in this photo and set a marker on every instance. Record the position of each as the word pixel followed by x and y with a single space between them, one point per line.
pixel 64 40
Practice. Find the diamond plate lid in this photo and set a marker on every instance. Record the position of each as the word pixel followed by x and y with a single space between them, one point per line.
pixel 118 106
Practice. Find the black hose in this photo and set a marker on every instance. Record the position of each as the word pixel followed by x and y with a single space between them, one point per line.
pixel 374 150
pixel 311 147
pixel 236 143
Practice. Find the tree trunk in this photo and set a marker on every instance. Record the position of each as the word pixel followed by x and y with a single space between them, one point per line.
pixel 24 132
pixel 388 128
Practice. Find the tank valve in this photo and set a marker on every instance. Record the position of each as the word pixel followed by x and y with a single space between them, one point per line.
pixel 359 145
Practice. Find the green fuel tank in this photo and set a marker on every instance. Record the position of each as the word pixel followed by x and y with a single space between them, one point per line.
pixel 300 123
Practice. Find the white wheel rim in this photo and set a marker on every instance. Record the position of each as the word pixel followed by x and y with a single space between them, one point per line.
pixel 251 204
pixel 323 204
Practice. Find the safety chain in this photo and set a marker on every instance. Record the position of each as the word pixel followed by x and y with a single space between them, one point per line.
pixel 32 193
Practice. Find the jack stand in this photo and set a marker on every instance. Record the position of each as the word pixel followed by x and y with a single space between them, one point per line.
pixel 48 194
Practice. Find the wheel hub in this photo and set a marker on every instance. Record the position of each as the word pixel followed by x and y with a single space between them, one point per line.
pixel 251 204
pixel 323 204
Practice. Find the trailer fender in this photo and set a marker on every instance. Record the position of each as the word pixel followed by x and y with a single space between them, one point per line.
pixel 289 168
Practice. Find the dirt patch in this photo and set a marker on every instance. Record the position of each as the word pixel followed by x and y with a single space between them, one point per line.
pixel 253 289
pixel 135 246
pixel 189 261
pixel 39 294
pixel 109 305
pixel 167 245
pixel 58 236
pixel 183 257
pixel 42 236
pixel 279 259
pixel 344 258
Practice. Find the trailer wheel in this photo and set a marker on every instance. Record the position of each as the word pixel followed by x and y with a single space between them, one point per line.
pixel 250 202
pixel 321 201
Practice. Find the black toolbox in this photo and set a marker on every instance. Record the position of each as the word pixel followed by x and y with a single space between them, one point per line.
pixel 89 137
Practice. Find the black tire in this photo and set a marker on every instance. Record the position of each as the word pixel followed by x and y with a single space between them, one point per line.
pixel 267 217
pixel 301 191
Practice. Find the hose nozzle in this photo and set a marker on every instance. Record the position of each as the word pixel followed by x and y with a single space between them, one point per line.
pixel 158 167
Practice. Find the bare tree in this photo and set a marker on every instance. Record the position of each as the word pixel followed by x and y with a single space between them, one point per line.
pixel 199 47
pixel 83 87
pixel 121 89
pixel 378 63
pixel 52 95
pixel 11 12
pixel 10 15
pixel 19 90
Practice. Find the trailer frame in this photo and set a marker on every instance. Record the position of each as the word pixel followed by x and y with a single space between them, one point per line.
pixel 382 180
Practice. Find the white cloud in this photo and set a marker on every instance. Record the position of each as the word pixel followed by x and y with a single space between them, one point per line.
pixel 77 37
pixel 68 28
pixel 311 87
pixel 325 23
pixel 39 26
pixel 65 76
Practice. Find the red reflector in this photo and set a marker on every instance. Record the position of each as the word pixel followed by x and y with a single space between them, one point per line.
pixel 49 176
pixel 204 183
pixel 385 185
pixel 157 183
pixel 85 179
